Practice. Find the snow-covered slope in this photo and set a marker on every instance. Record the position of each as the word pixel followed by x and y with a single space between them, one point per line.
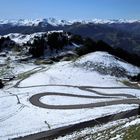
pixel 55 22
pixel 105 63
pixel 19 117
pixel 22 38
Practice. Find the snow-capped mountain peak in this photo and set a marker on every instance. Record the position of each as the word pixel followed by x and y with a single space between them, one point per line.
pixel 106 21
pixel 55 22
pixel 21 22
pixel 35 22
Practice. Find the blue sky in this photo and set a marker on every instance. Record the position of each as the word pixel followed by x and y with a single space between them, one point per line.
pixel 70 9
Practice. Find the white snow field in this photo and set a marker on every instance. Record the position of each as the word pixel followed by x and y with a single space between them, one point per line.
pixel 19 117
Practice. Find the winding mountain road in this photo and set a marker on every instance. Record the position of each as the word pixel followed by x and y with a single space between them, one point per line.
pixel 129 99
pixel 35 99
pixel 121 98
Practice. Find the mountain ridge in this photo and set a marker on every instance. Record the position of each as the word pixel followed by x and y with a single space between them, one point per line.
pixel 55 22
pixel 120 33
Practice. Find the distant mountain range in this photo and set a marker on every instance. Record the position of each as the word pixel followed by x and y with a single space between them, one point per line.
pixel 118 33
pixel 55 22
pixel 78 26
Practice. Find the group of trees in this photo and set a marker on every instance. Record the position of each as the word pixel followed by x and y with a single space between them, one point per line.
pixel 37 48
pixel 136 78
pixel 57 40
pixel 5 43
pixel 52 41
pixel 1 84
